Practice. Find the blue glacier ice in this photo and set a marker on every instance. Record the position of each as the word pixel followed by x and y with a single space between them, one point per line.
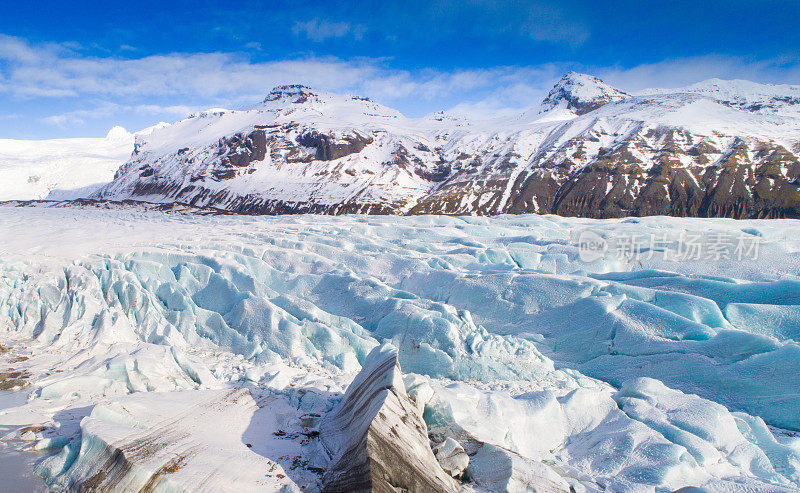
pixel 620 373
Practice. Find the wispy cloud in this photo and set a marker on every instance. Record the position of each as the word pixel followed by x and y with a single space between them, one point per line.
pixel 538 20
pixel 108 109
pixel 543 22
pixel 319 30
pixel 174 85
pixel 214 78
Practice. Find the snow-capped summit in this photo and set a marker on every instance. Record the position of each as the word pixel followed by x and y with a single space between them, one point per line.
pixel 581 94
pixel 296 102
pixel 298 93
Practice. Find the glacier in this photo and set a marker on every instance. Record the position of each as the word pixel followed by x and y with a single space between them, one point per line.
pixel 236 336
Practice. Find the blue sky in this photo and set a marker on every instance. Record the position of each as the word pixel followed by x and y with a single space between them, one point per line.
pixel 76 68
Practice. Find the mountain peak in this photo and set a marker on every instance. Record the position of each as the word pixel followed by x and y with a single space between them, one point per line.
pixel 581 93
pixel 297 93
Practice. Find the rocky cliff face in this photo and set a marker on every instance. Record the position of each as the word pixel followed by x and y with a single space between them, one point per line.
pixel 716 149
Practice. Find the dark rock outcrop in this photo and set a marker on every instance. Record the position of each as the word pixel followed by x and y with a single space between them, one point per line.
pixel 328 148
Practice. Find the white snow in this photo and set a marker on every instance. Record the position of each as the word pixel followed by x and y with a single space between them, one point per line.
pixel 61 169
pixel 182 430
pixel 643 374
pixel 751 96
pixel 575 88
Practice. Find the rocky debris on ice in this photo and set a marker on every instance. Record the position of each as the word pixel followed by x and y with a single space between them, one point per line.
pixel 376 437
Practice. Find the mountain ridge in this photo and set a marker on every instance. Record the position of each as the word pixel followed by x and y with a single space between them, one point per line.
pixel 716 148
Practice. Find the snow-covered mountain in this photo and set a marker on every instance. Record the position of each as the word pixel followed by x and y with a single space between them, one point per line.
pixel 718 148
pixel 297 150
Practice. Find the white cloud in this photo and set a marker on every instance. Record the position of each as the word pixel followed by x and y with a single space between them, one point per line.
pixel 61 120
pixel 78 117
pixel 155 109
pixel 225 79
pixel 175 85
pixel 253 45
pixel 319 30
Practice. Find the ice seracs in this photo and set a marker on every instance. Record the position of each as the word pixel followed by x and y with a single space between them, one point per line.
pixel 451 456
pixel 643 374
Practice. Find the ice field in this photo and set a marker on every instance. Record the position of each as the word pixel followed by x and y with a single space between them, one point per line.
pixel 666 357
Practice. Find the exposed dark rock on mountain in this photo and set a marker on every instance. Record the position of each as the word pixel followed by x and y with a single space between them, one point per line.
pixel 329 149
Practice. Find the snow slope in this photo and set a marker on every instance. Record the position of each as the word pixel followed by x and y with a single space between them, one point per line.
pixel 638 372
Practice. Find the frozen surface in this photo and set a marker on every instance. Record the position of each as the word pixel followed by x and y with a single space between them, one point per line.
pixel 175 441
pixel 646 372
